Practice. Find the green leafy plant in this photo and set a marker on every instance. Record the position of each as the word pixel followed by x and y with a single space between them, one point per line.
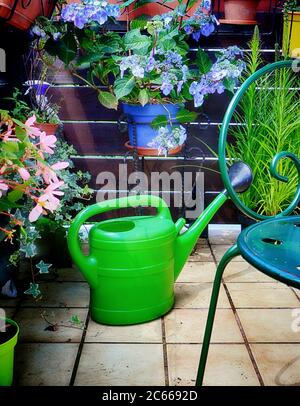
pixel 269 117
pixel 149 64
pixel 43 109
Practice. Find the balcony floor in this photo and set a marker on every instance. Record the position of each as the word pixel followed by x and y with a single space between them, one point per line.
pixel 253 341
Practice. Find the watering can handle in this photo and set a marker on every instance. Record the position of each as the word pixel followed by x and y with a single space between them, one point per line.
pixel 78 257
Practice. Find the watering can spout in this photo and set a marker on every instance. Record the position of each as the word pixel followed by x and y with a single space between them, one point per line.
pixel 240 176
pixel 185 242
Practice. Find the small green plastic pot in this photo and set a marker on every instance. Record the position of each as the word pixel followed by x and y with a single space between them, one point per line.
pixel 7 357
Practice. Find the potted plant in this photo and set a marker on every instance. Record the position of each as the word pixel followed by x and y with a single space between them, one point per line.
pixel 240 11
pixel 269 117
pixel 30 184
pixel 39 105
pixel 21 14
pixel 148 70
pixel 291 28
pixel 9 332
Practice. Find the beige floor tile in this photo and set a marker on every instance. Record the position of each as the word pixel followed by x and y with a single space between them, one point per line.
pixel 121 364
pixel 197 295
pixel 202 253
pixel 33 325
pixel 44 364
pixel 270 325
pixel 187 326
pixel 297 291
pixel 227 365
pixel 279 364
pixel 197 272
pixel 243 272
pixel 61 294
pixel 219 251
pixel 262 295
pixel 69 275
pixel 201 242
pixel 140 333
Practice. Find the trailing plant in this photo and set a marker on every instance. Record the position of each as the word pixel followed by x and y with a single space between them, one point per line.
pixel 35 183
pixel 269 122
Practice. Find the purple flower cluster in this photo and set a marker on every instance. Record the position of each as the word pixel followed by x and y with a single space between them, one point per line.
pixel 213 82
pixel 202 22
pixel 167 138
pixel 169 65
pixel 89 11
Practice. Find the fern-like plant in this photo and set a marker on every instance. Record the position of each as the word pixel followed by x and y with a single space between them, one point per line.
pixel 269 122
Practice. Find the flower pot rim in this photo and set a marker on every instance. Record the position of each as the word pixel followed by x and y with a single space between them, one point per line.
pixel 148 151
pixel 12 340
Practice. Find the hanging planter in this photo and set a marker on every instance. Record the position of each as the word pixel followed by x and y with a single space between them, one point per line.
pixel 143 136
pixel 240 11
pixel 22 13
pixel 9 332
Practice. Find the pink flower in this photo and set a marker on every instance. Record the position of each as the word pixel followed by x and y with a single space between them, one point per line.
pixel 8 136
pixel 25 175
pixel 47 142
pixel 47 200
pixel 30 129
pixel 3 187
pixel 48 172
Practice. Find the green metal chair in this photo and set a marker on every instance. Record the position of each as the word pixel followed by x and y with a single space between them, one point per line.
pixel 271 245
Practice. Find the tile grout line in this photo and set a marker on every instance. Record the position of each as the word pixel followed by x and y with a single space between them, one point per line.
pixel 165 353
pixel 295 293
pixel 80 347
pixel 240 326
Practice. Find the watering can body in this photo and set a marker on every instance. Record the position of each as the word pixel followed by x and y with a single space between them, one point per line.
pixel 134 261
pixel 135 269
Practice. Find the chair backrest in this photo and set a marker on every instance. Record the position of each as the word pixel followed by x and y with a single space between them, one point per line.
pixel 262 128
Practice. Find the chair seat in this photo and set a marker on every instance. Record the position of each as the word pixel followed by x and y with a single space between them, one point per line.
pixel 273 247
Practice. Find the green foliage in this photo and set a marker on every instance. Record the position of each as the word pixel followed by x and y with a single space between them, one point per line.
pixel 269 114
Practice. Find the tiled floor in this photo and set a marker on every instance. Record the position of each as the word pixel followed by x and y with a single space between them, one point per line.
pixel 256 339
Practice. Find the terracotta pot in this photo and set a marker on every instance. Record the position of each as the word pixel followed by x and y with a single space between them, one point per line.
pixel 143 151
pixel 22 13
pixel 50 129
pixel 240 10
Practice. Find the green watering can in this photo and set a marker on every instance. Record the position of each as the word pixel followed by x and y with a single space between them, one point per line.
pixel 134 261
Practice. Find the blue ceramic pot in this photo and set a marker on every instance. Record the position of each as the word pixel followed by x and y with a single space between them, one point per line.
pixel 142 116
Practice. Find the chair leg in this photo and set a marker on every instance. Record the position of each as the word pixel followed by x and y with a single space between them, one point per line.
pixel 231 253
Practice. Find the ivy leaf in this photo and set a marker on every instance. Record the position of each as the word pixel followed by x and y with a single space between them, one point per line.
pixel 76 321
pixel 29 250
pixel 203 61
pixel 159 121
pixel 33 290
pixel 43 267
pixel 124 86
pixel 143 97
pixel 186 116
pixel 137 42
pixel 108 100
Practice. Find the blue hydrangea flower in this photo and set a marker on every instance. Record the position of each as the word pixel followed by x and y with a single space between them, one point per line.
pixel 188 29
pixel 89 11
pixel 207 29
pixel 196 35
